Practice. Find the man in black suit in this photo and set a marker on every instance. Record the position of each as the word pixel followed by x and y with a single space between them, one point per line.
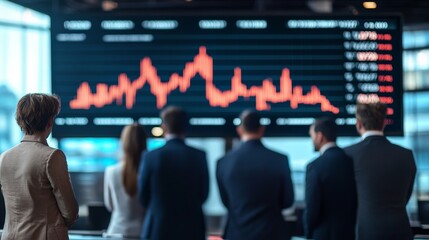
pixel 384 175
pixel 330 193
pixel 173 184
pixel 255 185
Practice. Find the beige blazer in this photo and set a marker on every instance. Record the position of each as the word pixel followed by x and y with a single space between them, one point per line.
pixel 39 198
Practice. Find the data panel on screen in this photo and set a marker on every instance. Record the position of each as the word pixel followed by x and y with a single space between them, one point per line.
pixel 112 71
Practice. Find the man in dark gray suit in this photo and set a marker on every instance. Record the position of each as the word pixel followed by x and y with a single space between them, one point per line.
pixel 384 175
pixel 255 185
pixel 330 194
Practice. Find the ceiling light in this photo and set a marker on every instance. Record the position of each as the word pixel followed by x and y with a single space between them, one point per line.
pixel 157 131
pixel 370 5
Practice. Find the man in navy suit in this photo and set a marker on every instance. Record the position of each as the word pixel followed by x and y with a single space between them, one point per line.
pixel 384 175
pixel 173 184
pixel 255 185
pixel 330 194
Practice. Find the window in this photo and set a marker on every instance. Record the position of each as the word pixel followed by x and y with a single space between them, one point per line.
pixel 24 63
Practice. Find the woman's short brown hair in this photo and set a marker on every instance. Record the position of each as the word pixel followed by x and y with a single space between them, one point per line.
pixel 34 110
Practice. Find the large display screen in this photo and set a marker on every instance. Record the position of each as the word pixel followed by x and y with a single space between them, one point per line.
pixel 114 70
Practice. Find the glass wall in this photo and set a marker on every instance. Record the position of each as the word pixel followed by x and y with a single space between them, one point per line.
pixel 25 67
pixel 24 63
pixel 416 82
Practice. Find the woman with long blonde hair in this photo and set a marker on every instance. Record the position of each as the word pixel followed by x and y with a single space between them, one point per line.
pixel 120 185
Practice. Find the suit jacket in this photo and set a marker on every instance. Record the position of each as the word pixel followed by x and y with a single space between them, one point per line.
pixel 173 185
pixel 39 199
pixel 385 177
pixel 255 185
pixel 330 197
pixel 127 212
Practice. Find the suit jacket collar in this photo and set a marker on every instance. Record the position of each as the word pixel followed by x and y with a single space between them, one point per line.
pixel 253 141
pixel 326 147
pixel 175 140
pixel 371 133
pixel 34 138
pixel 374 137
pixel 170 136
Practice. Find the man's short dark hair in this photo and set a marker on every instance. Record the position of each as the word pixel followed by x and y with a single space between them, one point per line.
pixel 250 121
pixel 174 119
pixel 371 115
pixel 327 127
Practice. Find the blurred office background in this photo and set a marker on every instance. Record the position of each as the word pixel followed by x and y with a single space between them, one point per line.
pixel 25 67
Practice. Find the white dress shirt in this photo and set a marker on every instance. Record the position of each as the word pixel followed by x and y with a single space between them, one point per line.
pixel 372 133
pixel 127 213
pixel 327 146
pixel 171 136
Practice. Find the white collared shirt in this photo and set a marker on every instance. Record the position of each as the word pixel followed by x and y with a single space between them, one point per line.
pixel 170 136
pixel 372 133
pixel 326 147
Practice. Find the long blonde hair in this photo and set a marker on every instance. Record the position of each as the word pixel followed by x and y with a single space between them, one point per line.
pixel 133 138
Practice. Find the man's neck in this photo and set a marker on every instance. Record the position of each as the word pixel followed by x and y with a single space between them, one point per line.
pixel 248 137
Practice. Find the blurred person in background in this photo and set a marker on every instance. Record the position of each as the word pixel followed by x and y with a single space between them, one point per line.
pixel 174 184
pixel 39 198
pixel 255 185
pixel 384 175
pixel 120 185
pixel 330 193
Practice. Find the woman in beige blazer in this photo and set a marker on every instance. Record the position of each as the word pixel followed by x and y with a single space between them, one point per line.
pixel 39 199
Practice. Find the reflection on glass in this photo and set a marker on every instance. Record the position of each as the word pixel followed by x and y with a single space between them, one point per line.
pixel 95 154
pixel 7 109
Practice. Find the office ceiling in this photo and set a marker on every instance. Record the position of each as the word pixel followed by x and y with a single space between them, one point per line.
pixel 415 12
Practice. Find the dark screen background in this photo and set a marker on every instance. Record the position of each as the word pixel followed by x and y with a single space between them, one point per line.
pixel 341 58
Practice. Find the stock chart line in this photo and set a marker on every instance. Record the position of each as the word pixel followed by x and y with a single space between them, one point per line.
pixel 202 64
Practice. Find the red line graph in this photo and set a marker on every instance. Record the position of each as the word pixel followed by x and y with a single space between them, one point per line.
pixel 202 65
